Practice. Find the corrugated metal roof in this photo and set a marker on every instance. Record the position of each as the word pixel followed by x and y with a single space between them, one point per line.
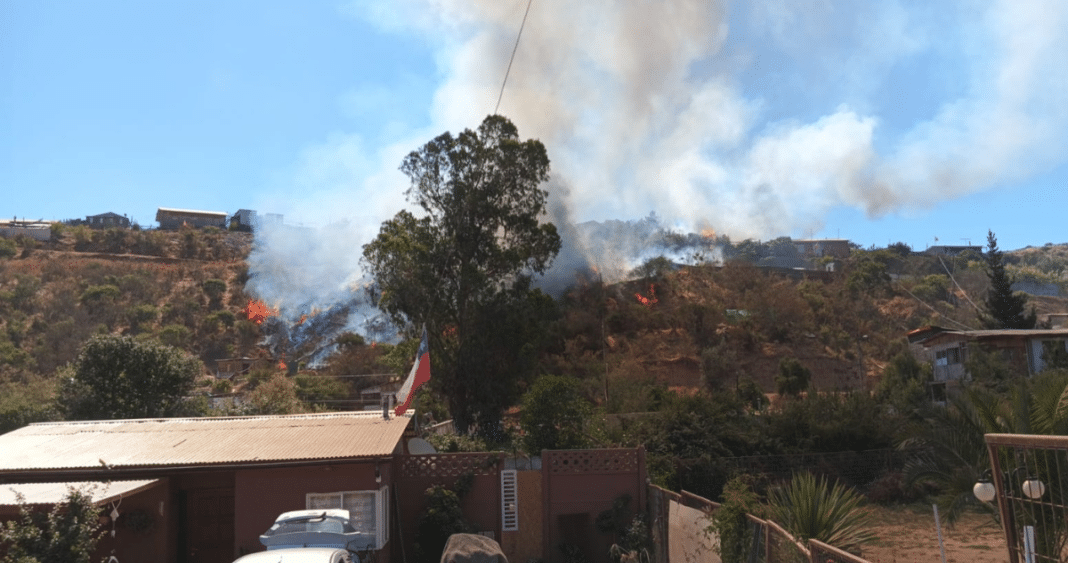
pixel 958 335
pixel 52 493
pixel 199 441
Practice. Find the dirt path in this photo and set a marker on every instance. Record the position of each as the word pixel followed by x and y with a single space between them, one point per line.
pixel 907 534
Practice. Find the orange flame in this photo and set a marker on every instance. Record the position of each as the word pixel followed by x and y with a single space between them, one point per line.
pixel 303 318
pixel 282 362
pixel 708 233
pixel 648 301
pixel 258 312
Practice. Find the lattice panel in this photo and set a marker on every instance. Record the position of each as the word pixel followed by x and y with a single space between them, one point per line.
pixel 593 461
pixel 448 465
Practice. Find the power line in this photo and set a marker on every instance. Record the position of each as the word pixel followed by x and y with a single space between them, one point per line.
pixel 514 49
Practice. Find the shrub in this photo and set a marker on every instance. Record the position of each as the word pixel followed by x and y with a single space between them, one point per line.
pixel 793 378
pixel 174 335
pixel 554 412
pixel 277 395
pixel 811 508
pixel 7 248
pixel 729 522
pixel 67 532
pixel 442 518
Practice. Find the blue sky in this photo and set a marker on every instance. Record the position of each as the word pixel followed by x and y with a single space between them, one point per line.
pixel 873 121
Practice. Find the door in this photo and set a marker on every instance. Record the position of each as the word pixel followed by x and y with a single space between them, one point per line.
pixel 208 525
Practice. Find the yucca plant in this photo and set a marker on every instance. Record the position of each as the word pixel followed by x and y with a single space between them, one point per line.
pixel 811 508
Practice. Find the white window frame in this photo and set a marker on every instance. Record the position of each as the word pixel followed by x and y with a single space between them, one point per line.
pixel 509 500
pixel 379 504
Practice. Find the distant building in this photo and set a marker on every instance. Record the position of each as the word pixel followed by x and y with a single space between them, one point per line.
pixel 243 220
pixel 1025 352
pixel 107 220
pixel 816 248
pixel 38 230
pixel 951 250
pixel 173 219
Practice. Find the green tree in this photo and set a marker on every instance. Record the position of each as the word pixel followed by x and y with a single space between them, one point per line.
pixel 67 533
pixel 793 377
pixel 119 377
pixel 554 412
pixel 276 395
pixel 469 256
pixel 1004 307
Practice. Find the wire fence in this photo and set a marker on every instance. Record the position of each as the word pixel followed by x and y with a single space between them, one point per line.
pixel 1029 476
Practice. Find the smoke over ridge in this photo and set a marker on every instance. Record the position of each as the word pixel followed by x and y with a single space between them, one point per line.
pixel 753 119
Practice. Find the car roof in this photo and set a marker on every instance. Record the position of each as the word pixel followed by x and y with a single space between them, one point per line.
pixel 317 513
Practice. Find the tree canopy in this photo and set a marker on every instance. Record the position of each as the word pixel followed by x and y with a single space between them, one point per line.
pixel 1004 307
pixel 119 377
pixel 465 265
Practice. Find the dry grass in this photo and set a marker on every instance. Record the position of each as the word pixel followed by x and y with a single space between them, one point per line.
pixel 907 534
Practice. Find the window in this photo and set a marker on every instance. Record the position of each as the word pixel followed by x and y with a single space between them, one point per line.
pixel 368 510
pixel 509 501
pixel 949 356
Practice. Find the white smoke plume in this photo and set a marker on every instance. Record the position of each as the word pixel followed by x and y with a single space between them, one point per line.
pixel 755 119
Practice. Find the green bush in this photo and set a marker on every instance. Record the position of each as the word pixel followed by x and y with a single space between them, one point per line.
pixel 793 377
pixel 442 518
pixel 729 522
pixel 554 412
pixel 174 335
pixel 67 532
pixel 7 248
pixel 811 508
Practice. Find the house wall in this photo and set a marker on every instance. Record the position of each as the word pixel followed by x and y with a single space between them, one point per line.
pixel 260 495
pixel 527 543
pixel 140 545
pixel 414 474
pixel 37 233
pixel 577 485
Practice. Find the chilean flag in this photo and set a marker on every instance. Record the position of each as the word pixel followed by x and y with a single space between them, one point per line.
pixel 419 375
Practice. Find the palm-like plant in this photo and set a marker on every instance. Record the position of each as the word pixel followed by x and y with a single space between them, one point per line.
pixel 811 508
pixel 950 445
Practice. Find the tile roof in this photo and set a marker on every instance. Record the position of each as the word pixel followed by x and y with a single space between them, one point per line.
pixel 199 441
pixel 51 493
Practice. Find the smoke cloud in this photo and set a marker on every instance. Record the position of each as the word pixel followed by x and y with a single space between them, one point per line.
pixel 752 119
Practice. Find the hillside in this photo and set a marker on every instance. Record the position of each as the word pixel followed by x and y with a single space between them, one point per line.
pixel 666 330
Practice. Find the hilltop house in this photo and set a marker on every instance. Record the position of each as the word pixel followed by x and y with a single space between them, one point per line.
pixel 815 248
pixel 1025 351
pixel 172 219
pixel 952 250
pixel 107 220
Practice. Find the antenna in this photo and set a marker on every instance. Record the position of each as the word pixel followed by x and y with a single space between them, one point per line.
pixel 968 240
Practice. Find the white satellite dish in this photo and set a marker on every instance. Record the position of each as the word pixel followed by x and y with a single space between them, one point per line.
pixel 419 446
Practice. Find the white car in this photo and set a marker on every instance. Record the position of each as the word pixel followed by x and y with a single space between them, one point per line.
pixel 315 528
pixel 300 555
